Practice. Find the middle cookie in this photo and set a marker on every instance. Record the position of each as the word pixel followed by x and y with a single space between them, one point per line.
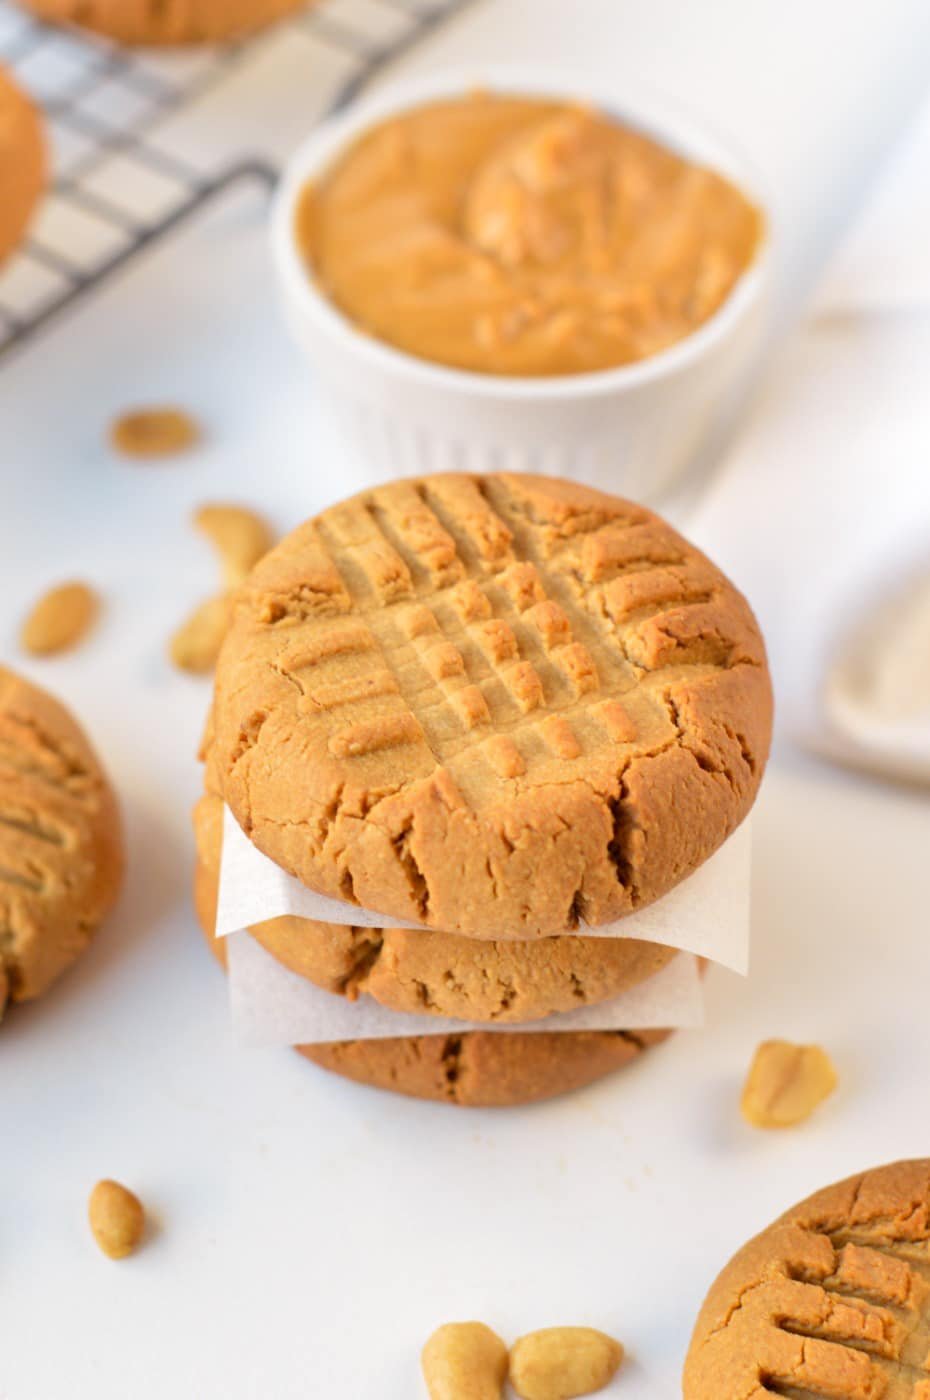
pixel 437 973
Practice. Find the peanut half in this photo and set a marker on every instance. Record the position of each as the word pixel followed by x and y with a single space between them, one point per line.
pixel 557 1363
pixel 60 619
pixel 786 1083
pixel 464 1361
pixel 116 1219
pixel 154 432
pixel 239 536
pixel 196 644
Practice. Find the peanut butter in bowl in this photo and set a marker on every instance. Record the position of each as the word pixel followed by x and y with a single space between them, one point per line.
pixel 523 236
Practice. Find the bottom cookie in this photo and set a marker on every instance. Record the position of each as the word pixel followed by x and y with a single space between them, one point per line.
pixel 484 1069
pixel 477 1069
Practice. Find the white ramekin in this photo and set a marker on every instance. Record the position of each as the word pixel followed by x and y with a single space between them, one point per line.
pixel 631 429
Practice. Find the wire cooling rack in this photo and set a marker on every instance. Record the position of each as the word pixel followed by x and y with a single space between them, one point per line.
pixel 136 143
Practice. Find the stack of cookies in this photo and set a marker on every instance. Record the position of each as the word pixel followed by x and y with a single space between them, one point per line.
pixel 505 710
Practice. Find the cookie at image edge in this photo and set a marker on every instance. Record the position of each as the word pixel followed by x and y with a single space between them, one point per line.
pixel 61 851
pixel 22 163
pixel 831 1300
pixel 492 705
pixel 477 1069
pixel 434 973
pixel 170 22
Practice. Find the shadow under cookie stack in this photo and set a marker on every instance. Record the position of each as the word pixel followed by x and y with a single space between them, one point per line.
pixel 506 715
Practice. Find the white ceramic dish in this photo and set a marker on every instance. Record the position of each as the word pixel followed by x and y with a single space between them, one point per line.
pixel 631 429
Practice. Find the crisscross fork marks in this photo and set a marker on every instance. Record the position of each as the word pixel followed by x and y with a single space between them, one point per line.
pixel 863 1331
pixel 458 677
pixel 30 880
pixel 30 824
pixel 670 592
pixel 490 629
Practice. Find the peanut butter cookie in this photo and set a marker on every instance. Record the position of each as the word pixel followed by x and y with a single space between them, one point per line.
pixel 833 1300
pixel 61 856
pixel 489 1069
pixel 22 163
pixel 497 706
pixel 165 21
pixel 437 973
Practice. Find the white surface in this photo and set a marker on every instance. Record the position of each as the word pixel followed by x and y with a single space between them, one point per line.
pixel 708 914
pixel 272 1006
pixel 834 460
pixel 312 1233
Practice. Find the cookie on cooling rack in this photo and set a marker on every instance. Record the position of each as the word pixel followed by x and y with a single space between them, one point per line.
pixel 61 855
pixel 22 163
pixel 831 1300
pixel 169 22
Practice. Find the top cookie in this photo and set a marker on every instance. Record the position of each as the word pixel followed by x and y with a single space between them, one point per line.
pixel 22 162
pixel 492 705
pixel 61 858
pixel 833 1300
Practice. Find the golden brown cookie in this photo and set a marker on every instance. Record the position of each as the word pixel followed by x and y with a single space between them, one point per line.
pixel 165 21
pixel 490 1069
pixel 22 163
pixel 443 974
pixel 61 856
pixel 832 1302
pixel 493 705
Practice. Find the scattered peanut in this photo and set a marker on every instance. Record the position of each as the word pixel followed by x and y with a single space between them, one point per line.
pixel 116 1219
pixel 560 1362
pixel 464 1361
pixel 196 644
pixel 786 1083
pixel 239 536
pixel 60 619
pixel 154 432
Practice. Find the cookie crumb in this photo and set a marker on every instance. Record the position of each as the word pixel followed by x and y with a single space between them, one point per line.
pixel 558 1363
pixel 60 619
pixel 154 432
pixel 464 1361
pixel 786 1083
pixel 117 1219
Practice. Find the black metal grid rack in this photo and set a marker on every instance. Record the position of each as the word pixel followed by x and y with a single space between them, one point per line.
pixel 115 185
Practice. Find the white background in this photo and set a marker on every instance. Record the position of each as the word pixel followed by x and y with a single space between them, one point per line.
pixel 309 1233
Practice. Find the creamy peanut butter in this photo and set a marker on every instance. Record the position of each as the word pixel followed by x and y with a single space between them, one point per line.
pixel 522 236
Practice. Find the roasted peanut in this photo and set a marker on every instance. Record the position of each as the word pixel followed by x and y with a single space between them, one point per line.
pixel 116 1219
pixel 239 536
pixel 560 1362
pixel 786 1083
pixel 464 1361
pixel 60 619
pixel 196 644
pixel 154 432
